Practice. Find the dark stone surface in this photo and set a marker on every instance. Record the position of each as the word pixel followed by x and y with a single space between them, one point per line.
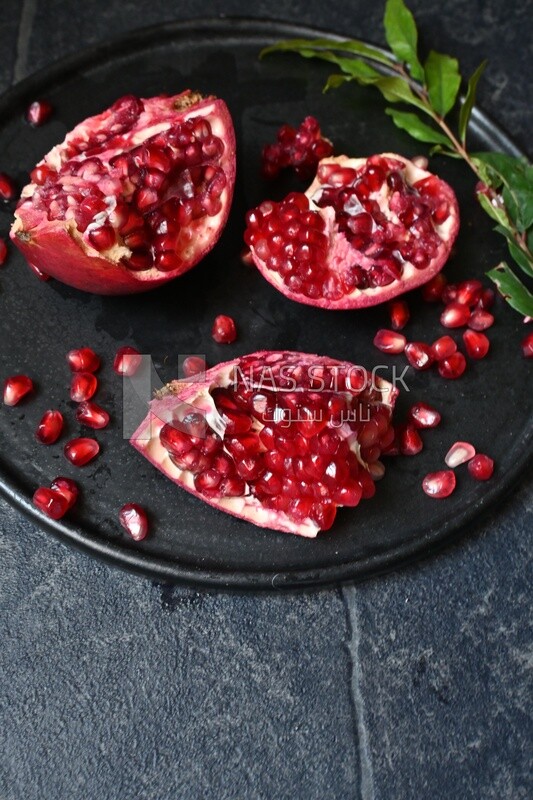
pixel 416 685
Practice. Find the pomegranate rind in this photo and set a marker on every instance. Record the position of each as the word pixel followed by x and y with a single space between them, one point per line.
pixel 56 248
pixel 198 394
pixel 341 254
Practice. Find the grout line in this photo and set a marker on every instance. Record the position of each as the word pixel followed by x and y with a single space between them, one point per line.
pixel 27 17
pixel 349 598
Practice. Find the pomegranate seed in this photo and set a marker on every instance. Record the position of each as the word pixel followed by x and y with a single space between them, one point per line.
pixel 433 289
pixel 50 427
pixel 476 343
pixel 424 416
pixel 527 345
pixel 83 360
pixel 193 365
pixel 301 148
pixel 443 348
pixel 459 453
pixel 449 294
pixel 481 467
pixel 399 314
pixel 390 341
pixel 469 292
pixel 410 441
pixel 224 330
pixel 67 487
pixel 134 520
pixel 82 450
pixel 50 502
pixel 480 320
pixel 419 355
pixel 8 190
pixel 15 388
pixel 127 361
pixel 453 366
pixel 487 298
pixel 455 315
pixel 82 386
pixel 3 251
pixel 439 484
pixel 247 258
pixel 38 112
pixel 92 415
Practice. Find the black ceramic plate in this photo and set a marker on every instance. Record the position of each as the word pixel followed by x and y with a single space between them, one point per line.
pixel 40 322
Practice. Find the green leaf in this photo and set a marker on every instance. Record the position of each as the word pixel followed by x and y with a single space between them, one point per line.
pixel 495 212
pixel 402 36
pixel 444 151
pixel 469 101
pixel 397 90
pixel 415 127
pixel 442 81
pixel 522 259
pixel 334 81
pixel 516 177
pixel 316 45
pixel 512 289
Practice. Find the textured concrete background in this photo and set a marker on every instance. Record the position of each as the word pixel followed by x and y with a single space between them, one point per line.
pixel 416 685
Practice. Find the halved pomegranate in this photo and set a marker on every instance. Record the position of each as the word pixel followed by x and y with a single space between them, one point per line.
pixel 277 438
pixel 133 197
pixel 366 230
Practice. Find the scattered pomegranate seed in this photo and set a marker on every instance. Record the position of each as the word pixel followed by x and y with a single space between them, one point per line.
pixel 82 450
pixel 419 355
pixel 487 298
pixel 92 415
pixel 399 314
pixel 127 361
pixel 469 292
pixel 193 365
pixel 449 294
pixel 480 320
pixel 38 112
pixel 433 289
pixel 390 341
pixel 67 487
pixel 3 251
pixel 477 345
pixel 50 427
pixel 424 415
pixel 224 330
pixel 82 386
pixel 527 345
pixel 459 453
pixel 50 502
pixel 15 388
pixel 134 520
pixel 443 348
pixel 481 467
pixel 83 360
pixel 453 366
pixel 8 190
pixel 455 315
pixel 439 484
pixel 410 441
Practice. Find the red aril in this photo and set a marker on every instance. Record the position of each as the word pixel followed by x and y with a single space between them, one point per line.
pixel 81 451
pixel 424 415
pixel 3 251
pixel 127 361
pixel 443 347
pixel 453 366
pixel 433 289
pixel 133 197
pixel 390 341
pixel 439 484
pixel 459 453
pixel 38 112
pixel 410 441
pixel 469 292
pixel 82 386
pixel 487 298
pixel 481 467
pixel 8 190
pixel 134 520
pixel 527 345
pixel 477 345
pixel 300 148
pixel 92 415
pixel 50 427
pixel 449 294
pixel 50 502
pixel 16 387
pixel 455 315
pixel 224 330
pixel 399 314
pixel 83 360
pixel 419 355
pixel 193 365
pixel 67 487
pixel 480 320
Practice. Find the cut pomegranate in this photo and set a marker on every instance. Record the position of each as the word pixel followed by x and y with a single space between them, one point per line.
pixel 433 289
pixel 67 487
pixel 527 345
pixel 453 366
pixel 8 190
pixel 424 415
pixel 365 231
pixel 83 360
pixel 443 348
pixel 399 314
pixel 134 520
pixel 439 484
pixel 477 345
pixel 127 361
pixel 82 386
pixel 36 271
pixel 50 502
pixel 82 450
pixel 133 197
pixel 280 439
pixel 38 112
pixel 419 355
pixel 3 251
pixel 92 415
pixel 16 388
pixel 480 320
pixel 481 467
pixel 390 341
pixel 50 427
pixel 224 330
pixel 410 441
pixel 455 315
pixel 459 453
pixel 193 365
pixel 301 148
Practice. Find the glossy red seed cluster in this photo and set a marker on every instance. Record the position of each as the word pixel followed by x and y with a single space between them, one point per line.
pixel 300 148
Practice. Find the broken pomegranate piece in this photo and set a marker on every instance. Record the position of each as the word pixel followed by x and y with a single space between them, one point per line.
pixel 133 197
pixel 300 148
pixel 280 439
pixel 365 231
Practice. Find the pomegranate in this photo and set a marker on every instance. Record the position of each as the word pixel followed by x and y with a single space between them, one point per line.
pixel 51 502
pixel 390 341
pixel 459 453
pixel 67 487
pixel 300 148
pixel 424 415
pixel 83 360
pixel 477 344
pixel 481 467
pixel 399 314
pixel 480 320
pixel 133 197
pixel 134 520
pixel 224 330
pixel 453 366
pixel 80 451
pixel 92 415
pixel 419 355
pixel 365 231
pixel 50 427
pixel 277 438
pixel 439 484
pixel 410 441
pixel 16 387
pixel 455 315
pixel 127 361
pixel 444 347
pixel 82 386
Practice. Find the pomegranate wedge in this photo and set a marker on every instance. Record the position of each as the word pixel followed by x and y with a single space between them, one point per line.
pixel 133 197
pixel 365 231
pixel 280 439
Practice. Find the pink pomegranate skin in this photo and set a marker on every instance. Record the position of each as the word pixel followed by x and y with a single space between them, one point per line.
pixel 57 248
pixel 198 394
